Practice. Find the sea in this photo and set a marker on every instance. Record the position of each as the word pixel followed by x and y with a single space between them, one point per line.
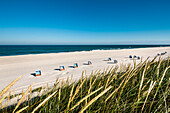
pixel 10 50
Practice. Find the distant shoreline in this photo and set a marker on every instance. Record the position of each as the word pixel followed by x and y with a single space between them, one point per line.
pixel 15 50
pixel 79 52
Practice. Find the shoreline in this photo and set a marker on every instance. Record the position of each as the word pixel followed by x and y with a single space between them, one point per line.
pixel 83 51
pixel 12 67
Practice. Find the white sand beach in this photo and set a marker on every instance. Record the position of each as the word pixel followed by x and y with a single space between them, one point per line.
pixel 12 67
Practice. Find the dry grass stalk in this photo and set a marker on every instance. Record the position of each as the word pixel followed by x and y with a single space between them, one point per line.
pixel 96 72
pixel 77 90
pixel 90 84
pixel 19 111
pixel 166 108
pixel 158 67
pixel 8 87
pixel 115 90
pixel 78 103
pixel 107 82
pixel 59 97
pixel 71 78
pixel 89 88
pixel 94 99
pixel 44 101
pixel 1 106
pixel 110 81
pixel 3 98
pixel 95 78
pixel 143 64
pixel 62 82
pixel 110 69
pixel 9 97
pixel 71 93
pixel 47 86
pixel 59 94
pixel 23 97
pixel 57 79
pixel 142 81
pixel 14 92
pixel 159 87
pixel 121 67
pixel 131 73
pixel 145 85
pixel 150 88
pixel 30 92
pixel 104 73
pixel 18 97
pixel 134 61
pixel 67 81
pixel 107 69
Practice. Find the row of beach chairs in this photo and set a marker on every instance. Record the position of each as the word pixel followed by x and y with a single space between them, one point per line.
pixel 62 68
pixel 38 72
pixel 115 61
pixel 75 66
pixel 134 57
pixel 162 53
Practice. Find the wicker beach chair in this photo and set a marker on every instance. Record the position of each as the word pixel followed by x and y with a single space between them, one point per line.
pixel 115 61
pixel 138 57
pixel 62 68
pixel 38 73
pixel 75 65
pixel 130 56
pixel 89 63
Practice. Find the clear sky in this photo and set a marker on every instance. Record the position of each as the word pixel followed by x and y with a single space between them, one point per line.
pixel 84 22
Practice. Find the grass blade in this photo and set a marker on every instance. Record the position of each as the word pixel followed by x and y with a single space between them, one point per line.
pixel 8 87
pixel 44 102
pixel 23 97
pixel 95 98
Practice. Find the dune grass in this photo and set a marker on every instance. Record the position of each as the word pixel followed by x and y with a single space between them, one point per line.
pixel 143 87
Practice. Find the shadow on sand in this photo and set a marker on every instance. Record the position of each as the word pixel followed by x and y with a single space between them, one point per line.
pixel 111 63
pixel 57 69
pixel 33 74
pixel 70 66
pixel 85 64
pixel 105 60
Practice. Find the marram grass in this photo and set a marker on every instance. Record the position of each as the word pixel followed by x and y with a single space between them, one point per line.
pixel 140 88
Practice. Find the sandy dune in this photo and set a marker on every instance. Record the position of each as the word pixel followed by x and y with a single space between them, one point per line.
pixel 12 67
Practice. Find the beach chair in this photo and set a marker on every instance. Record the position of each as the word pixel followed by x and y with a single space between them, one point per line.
pixel 62 68
pixel 38 73
pixel 75 65
pixel 134 56
pixel 138 57
pixel 109 59
pixel 89 63
pixel 115 61
pixel 130 56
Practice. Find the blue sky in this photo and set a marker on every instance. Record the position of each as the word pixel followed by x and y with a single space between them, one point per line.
pixel 84 22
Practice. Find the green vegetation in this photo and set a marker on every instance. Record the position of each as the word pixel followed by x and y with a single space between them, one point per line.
pixel 139 88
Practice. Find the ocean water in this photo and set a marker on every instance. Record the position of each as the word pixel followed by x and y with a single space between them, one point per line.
pixel 9 50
